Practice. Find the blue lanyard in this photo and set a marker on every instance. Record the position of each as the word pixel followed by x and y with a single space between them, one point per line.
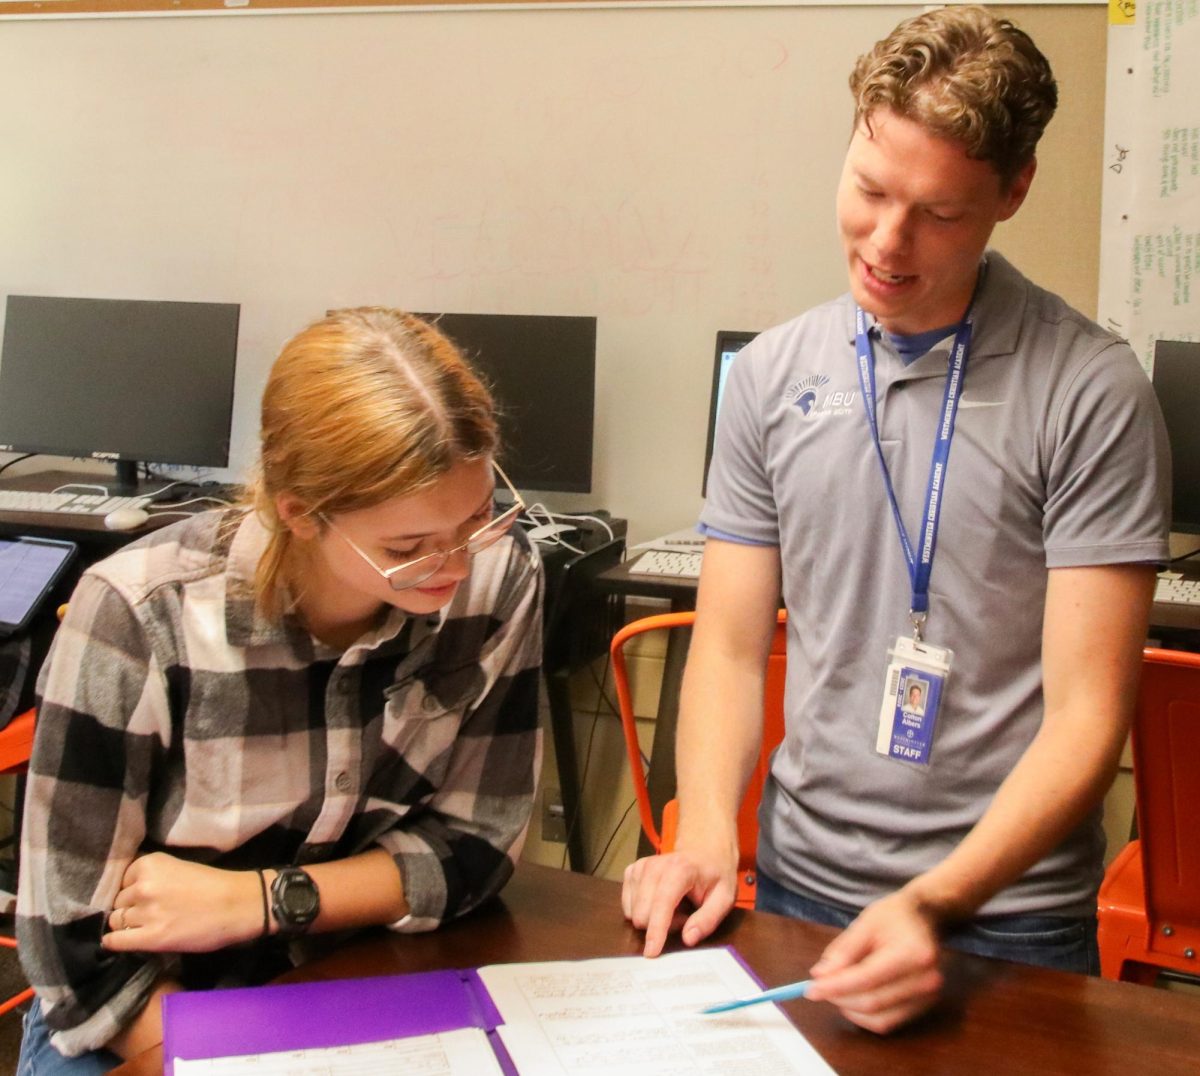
pixel 920 566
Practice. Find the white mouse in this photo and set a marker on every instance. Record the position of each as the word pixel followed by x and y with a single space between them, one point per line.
pixel 126 519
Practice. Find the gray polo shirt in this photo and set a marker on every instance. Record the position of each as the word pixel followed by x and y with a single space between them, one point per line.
pixel 1059 459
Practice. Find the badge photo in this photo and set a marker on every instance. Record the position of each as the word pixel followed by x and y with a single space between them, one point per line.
pixel 912 695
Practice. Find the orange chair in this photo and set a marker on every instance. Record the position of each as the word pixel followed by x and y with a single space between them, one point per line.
pixel 16 745
pixel 772 735
pixel 1149 904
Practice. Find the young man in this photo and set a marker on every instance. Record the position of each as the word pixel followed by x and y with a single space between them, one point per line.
pixel 1013 574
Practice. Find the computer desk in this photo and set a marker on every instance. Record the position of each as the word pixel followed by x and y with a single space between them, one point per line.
pixel 94 539
pixel 996 1017
pixel 1178 626
pixel 1173 626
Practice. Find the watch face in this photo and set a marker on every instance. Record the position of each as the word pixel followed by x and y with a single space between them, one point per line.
pixel 301 900
pixel 295 899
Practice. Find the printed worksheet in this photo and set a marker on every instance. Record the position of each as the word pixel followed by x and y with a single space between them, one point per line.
pixel 642 1017
pixel 452 1053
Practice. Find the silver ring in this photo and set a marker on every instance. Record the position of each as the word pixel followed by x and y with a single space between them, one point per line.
pixel 124 925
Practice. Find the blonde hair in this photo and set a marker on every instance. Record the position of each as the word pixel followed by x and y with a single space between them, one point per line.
pixel 965 75
pixel 363 406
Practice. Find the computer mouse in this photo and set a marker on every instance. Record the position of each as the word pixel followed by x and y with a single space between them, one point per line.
pixel 126 519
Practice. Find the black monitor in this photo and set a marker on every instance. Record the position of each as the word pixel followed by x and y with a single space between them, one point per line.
pixel 1177 385
pixel 542 371
pixel 125 380
pixel 729 343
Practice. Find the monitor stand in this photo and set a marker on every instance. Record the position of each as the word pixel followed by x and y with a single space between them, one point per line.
pixel 128 484
pixel 127 479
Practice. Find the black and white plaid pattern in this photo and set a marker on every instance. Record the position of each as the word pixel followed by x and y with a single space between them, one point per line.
pixel 174 717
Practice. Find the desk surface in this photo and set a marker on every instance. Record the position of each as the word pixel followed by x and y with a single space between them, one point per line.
pixel 680 590
pixel 84 529
pixel 998 1017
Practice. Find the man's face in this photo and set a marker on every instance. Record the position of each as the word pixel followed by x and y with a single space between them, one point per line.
pixel 915 214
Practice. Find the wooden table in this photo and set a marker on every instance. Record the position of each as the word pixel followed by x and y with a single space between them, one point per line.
pixel 998 1018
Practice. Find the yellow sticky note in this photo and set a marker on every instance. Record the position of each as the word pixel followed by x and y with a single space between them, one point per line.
pixel 1121 12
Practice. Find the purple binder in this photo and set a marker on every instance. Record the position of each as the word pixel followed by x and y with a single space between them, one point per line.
pixel 335 1012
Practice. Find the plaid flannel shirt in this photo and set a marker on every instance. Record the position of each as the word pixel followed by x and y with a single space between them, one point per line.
pixel 175 718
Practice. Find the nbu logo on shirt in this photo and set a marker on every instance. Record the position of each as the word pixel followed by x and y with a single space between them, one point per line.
pixel 807 396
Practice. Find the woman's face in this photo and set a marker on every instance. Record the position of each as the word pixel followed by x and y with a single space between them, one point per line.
pixel 342 586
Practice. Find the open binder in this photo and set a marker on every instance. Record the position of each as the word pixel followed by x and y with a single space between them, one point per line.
pixel 562 1017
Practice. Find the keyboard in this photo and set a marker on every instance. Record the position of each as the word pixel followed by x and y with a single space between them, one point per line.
pixel 67 503
pixel 1175 590
pixel 685 563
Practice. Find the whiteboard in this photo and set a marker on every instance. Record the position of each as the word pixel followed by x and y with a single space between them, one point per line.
pixel 1150 234
pixel 670 171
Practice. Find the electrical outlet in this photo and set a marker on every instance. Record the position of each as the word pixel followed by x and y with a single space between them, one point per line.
pixel 554 819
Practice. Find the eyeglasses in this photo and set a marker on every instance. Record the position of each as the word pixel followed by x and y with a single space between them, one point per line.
pixel 413 573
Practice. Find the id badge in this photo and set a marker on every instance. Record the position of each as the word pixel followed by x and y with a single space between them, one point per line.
pixel 912 696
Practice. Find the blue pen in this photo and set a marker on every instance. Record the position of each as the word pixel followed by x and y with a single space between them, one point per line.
pixel 779 993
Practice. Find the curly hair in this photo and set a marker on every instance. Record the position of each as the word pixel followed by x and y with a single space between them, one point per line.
pixel 965 75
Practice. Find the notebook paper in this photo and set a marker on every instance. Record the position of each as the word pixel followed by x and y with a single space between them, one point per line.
pixel 452 1053
pixel 641 1017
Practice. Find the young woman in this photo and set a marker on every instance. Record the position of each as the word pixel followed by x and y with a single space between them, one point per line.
pixel 313 713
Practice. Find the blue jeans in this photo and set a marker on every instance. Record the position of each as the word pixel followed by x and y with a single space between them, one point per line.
pixel 39 1058
pixel 1046 941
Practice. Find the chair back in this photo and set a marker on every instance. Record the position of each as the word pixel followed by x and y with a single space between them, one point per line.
pixel 663 840
pixel 16 745
pixel 1166 767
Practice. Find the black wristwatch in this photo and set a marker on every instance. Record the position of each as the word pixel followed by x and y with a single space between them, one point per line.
pixel 295 900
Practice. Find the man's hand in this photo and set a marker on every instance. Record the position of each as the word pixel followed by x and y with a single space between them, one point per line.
pixel 171 905
pixel 882 970
pixel 655 886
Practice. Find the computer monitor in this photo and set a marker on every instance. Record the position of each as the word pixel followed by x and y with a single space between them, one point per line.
pixel 542 371
pixel 729 343
pixel 131 381
pixel 1177 385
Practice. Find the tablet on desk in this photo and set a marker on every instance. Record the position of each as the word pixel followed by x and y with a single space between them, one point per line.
pixel 29 568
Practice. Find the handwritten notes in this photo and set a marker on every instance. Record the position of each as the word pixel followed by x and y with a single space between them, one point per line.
pixel 1150 237
pixel 641 1017
pixel 1164 214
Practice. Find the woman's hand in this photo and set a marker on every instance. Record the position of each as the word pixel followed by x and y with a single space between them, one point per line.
pixel 167 904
